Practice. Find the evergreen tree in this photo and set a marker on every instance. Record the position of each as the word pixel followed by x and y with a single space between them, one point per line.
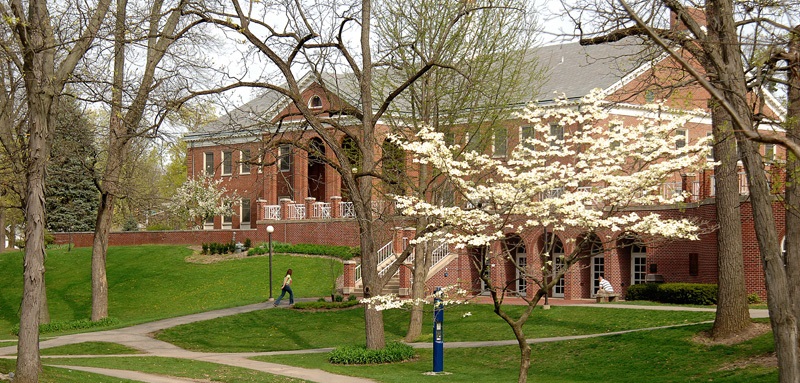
pixel 71 195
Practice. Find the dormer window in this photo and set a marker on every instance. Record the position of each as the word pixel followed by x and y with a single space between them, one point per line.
pixel 315 102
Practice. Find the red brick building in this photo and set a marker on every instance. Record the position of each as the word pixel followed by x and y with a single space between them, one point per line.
pixel 282 185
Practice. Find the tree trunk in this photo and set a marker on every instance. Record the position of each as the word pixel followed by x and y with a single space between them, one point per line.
pixel 116 147
pixel 29 364
pixel 732 312
pixel 524 360
pixel 726 63
pixel 422 263
pixel 2 229
pixel 792 235
pixel 99 250
pixel 44 310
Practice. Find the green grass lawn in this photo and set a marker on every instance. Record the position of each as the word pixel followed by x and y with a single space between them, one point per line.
pixel 153 282
pixel 286 329
pixel 666 355
pixel 650 356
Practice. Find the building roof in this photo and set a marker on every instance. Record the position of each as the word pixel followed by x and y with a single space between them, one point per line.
pixel 570 69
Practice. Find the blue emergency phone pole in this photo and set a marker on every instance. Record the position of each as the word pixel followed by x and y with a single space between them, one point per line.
pixel 438 341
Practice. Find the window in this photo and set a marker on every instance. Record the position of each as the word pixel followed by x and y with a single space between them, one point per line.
pixel 556 135
pixel 227 221
pixel 614 129
pixel 681 137
pixel 284 158
pixel 315 102
pixel 525 134
pixel 769 152
pixel 209 223
pixel 244 165
pixel 227 162
pixel 500 147
pixel 694 264
pixel 710 155
pixel 208 163
pixel 245 212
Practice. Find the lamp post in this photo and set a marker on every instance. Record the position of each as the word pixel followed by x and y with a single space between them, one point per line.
pixel 270 230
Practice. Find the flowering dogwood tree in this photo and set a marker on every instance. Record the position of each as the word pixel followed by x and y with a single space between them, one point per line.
pixel 590 180
pixel 201 198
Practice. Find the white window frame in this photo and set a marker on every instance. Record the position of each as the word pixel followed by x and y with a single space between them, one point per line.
pixel 614 127
pixel 503 151
pixel 227 221
pixel 311 103
pixel 206 165
pixel 681 133
pixel 523 138
pixel 284 158
pixel 244 165
pixel 634 257
pixel 227 162
pixel 208 224
pixel 769 152
pixel 556 135
pixel 245 202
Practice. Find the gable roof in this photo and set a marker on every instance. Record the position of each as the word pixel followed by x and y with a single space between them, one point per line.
pixel 570 69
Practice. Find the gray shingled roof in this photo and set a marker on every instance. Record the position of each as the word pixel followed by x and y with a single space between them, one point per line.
pixel 570 69
pixel 575 70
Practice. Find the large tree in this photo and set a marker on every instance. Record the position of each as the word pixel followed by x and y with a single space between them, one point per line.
pixel 711 37
pixel 487 70
pixel 45 54
pixel 71 196
pixel 334 43
pixel 602 175
pixel 157 30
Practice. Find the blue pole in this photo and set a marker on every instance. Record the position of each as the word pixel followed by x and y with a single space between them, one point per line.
pixel 438 340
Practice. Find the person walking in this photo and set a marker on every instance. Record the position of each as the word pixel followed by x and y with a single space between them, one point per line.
pixel 287 287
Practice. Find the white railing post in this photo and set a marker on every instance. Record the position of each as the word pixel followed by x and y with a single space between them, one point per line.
pixel 272 212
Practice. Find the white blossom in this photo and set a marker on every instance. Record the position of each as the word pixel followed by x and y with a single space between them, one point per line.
pixel 202 198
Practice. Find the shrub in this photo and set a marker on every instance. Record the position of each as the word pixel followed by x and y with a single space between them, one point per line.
pixel 205 248
pixel 81 324
pixel 338 298
pixel 324 305
pixel 351 298
pixel 248 243
pixel 394 352
pixel 753 299
pixel 342 252
pixel 680 293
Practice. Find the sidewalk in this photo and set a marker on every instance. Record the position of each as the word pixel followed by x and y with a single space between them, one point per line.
pixel 138 337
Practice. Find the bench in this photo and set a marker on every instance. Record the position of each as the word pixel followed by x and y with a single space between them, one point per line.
pixel 607 297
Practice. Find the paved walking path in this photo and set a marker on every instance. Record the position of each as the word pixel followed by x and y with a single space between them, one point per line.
pixel 138 337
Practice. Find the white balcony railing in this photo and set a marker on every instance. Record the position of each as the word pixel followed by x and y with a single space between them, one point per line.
pixel 272 212
pixel 670 190
pixel 441 252
pixel 296 211
pixel 322 210
pixel 347 210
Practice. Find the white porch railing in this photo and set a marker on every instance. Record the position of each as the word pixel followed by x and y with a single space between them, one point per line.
pixel 272 212
pixel 670 190
pixel 322 210
pixel 743 188
pixel 441 252
pixel 347 210
pixel 297 211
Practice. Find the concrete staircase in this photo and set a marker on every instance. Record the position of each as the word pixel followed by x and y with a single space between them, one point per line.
pixel 392 287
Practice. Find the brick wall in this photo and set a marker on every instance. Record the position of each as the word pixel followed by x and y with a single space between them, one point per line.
pixel 342 232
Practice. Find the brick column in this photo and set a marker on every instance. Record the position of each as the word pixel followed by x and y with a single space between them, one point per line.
pixel 405 279
pixel 686 186
pixel 336 211
pixel 284 202
pixel 261 209
pixel 309 202
pixel 349 277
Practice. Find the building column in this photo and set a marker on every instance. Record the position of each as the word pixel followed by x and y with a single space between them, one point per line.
pixel 309 202
pixel 349 277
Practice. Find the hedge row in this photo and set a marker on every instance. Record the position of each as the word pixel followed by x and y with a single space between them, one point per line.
pixel 343 252
pixel 681 293
pixel 394 352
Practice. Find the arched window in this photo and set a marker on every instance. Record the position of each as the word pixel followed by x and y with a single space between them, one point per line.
pixel 315 102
